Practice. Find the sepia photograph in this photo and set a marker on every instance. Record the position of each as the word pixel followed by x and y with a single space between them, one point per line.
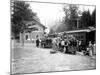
pixel 52 37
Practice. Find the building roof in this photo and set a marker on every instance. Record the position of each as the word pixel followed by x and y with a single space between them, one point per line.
pixel 35 21
pixel 77 31
pixel 82 30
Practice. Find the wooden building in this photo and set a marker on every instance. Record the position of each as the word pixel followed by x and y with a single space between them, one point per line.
pixel 33 30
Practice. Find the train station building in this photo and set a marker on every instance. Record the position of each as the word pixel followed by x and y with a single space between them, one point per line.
pixel 34 29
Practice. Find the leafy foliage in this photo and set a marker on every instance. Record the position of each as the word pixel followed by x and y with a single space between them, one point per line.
pixel 71 16
pixel 88 19
pixel 93 18
pixel 69 21
pixel 20 12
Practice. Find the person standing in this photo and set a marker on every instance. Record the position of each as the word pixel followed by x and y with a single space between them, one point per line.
pixel 54 45
pixel 90 48
pixel 94 48
pixel 66 45
pixel 77 45
pixel 63 45
pixel 59 45
pixel 80 46
pixel 37 42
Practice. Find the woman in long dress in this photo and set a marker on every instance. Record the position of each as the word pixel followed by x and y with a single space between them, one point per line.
pixel 90 48
pixel 54 46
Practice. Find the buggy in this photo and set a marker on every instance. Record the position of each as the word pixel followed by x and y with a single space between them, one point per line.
pixel 46 43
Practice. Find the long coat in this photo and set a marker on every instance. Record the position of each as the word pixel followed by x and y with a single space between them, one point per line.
pixel 54 46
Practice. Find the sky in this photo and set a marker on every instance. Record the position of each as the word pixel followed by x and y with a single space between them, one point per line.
pixel 49 13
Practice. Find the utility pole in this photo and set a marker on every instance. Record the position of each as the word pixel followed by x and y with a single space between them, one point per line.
pixel 22 34
pixel 77 23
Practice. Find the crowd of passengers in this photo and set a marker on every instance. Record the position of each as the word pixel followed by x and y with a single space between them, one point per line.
pixel 65 42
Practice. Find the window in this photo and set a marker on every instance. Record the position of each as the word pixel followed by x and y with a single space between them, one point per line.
pixel 34 29
pixel 29 24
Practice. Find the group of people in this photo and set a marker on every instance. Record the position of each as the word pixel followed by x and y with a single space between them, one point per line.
pixel 91 49
pixel 61 44
pixel 65 44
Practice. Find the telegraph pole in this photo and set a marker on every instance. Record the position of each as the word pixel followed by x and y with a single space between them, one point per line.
pixel 77 23
pixel 22 35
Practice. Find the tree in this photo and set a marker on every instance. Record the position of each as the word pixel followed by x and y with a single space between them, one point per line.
pixel 93 18
pixel 71 16
pixel 88 20
pixel 20 12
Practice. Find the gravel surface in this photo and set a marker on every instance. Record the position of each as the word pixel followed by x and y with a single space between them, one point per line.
pixel 30 59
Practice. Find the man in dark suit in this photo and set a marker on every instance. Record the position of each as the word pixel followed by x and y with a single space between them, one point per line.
pixel 37 41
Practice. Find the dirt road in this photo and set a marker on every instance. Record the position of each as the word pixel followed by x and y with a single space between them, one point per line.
pixel 29 59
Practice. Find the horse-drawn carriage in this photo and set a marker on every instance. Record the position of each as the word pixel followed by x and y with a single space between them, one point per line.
pixel 46 43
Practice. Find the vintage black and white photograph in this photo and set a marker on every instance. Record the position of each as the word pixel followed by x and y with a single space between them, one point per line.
pixel 52 37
